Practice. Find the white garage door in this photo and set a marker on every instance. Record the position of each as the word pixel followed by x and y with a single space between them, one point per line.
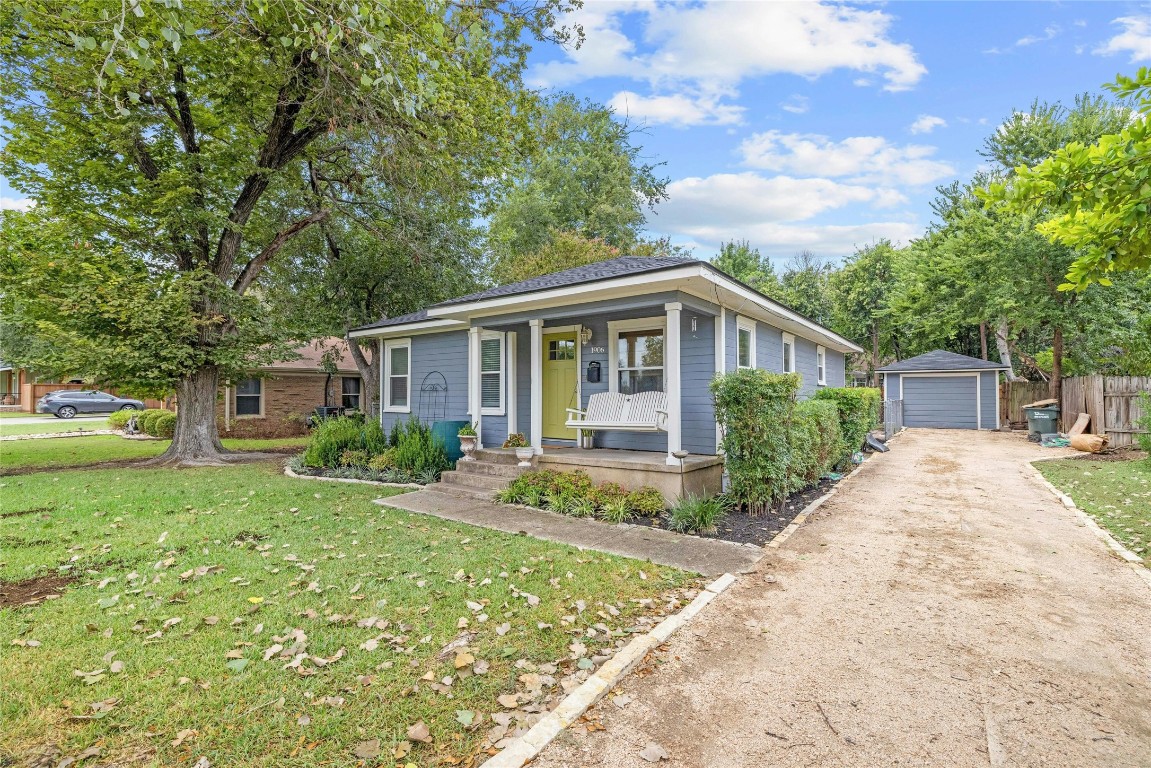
pixel 949 402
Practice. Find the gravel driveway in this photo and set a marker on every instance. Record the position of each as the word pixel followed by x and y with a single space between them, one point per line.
pixel 942 610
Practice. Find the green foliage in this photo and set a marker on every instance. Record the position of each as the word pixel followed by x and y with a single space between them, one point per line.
pixel 615 510
pixel 607 493
pixel 584 176
pixel 330 439
pixel 646 502
pixel 418 451
pixel 861 293
pixel 858 409
pixel 164 425
pixel 804 286
pixel 747 265
pixel 516 440
pixel 815 443
pixel 1144 423
pixel 146 421
pixel 468 430
pixel 754 409
pixel 697 514
pixel 119 419
pixel 382 462
pixel 355 458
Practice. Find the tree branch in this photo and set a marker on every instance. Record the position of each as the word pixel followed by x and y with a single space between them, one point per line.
pixel 252 269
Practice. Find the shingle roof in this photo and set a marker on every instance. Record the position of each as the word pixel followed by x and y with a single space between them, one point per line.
pixel 589 273
pixel 941 360
pixel 414 317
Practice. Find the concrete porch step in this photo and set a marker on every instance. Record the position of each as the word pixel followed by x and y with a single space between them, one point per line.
pixel 461 492
pixel 505 471
pixel 488 483
pixel 497 456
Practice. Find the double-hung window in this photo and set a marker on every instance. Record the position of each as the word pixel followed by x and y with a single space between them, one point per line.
pixel 638 355
pixel 398 375
pixel 250 398
pixel 745 342
pixel 492 373
pixel 350 392
pixel 788 353
pixel 821 365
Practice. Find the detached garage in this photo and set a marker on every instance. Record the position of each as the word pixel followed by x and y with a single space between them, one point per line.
pixel 945 390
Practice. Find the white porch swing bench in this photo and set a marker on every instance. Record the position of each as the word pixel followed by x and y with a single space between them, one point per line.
pixel 641 412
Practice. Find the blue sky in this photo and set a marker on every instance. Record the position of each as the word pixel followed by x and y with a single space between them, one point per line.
pixel 825 126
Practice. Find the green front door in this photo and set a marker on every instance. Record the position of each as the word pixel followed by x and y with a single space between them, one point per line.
pixel 560 380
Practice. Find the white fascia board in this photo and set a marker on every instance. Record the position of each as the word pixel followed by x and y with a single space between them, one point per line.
pixel 408 329
pixel 948 372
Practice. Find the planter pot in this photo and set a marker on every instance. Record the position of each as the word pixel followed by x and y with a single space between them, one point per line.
pixel 525 455
pixel 468 446
pixel 586 440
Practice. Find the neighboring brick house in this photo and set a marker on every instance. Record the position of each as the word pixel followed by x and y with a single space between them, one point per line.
pixel 279 398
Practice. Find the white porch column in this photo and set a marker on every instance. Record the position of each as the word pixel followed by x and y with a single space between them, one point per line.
pixel 537 385
pixel 671 380
pixel 474 397
pixel 720 366
pixel 383 373
pixel 511 375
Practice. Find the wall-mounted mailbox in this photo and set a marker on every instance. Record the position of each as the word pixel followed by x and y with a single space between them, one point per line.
pixel 593 372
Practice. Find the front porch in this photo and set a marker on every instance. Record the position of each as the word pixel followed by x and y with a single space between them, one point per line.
pixel 494 468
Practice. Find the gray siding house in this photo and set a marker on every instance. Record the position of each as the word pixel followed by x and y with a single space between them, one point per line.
pixel 945 390
pixel 516 357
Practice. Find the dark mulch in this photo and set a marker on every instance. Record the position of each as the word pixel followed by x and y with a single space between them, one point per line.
pixel 30 592
pixel 743 528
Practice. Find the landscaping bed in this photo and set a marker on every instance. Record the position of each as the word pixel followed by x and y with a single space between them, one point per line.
pixel 234 616
pixel 1117 494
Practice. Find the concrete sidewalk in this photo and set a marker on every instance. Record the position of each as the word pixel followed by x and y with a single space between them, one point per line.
pixel 709 557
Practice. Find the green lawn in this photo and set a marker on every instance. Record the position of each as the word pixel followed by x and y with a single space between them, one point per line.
pixel 1116 493
pixel 22 415
pixel 80 451
pixel 185 580
pixel 54 425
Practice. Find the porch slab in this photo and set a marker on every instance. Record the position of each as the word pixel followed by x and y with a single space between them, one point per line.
pixel 697 475
pixel 705 556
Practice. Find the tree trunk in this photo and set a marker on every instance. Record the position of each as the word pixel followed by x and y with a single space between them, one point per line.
pixel 1056 383
pixel 197 441
pixel 1005 350
pixel 370 373
pixel 983 340
pixel 875 354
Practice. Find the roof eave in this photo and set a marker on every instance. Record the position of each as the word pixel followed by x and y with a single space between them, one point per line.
pixel 405 329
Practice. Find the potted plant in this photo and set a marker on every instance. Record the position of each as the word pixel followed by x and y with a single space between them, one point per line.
pixel 468 440
pixel 524 452
pixel 586 438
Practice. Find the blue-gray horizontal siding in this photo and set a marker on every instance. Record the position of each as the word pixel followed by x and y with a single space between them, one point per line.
pixel 940 401
pixel 769 356
pixel 988 403
pixel 836 365
pixel 444 353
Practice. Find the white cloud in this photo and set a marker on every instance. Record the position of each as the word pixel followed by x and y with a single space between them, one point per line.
pixel 15 203
pixel 1134 39
pixel 1049 33
pixel 679 110
pixel 785 240
pixel 927 124
pixel 860 159
pixel 796 105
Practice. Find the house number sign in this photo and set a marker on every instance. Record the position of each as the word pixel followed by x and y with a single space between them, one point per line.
pixel 599 350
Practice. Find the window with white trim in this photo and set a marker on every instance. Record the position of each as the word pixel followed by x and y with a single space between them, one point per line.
pixel 788 353
pixel 744 342
pixel 397 382
pixel 250 398
pixel 637 355
pixel 492 373
pixel 820 365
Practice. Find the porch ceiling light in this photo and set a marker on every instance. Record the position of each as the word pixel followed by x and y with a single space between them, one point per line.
pixel 585 335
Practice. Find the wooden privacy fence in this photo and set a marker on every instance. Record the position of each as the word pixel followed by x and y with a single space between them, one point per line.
pixel 1112 402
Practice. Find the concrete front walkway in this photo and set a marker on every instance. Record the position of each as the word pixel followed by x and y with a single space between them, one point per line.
pixel 943 609
pixel 707 556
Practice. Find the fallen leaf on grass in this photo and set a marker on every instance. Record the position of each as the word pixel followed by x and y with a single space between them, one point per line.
pixel 237 665
pixel 465 717
pixel 366 750
pixel 185 735
pixel 464 659
pixel 418 731
pixel 116 667
pixel 509 700
pixel 211 621
pixel 402 749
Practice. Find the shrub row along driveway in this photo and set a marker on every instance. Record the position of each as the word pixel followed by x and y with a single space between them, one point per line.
pixel 943 609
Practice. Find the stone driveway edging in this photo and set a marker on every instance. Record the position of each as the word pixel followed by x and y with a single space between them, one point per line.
pixel 406 486
pixel 527 747
pixel 1100 532
pixel 46 435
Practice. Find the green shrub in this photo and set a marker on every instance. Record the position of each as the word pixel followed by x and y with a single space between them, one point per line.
pixel 575 483
pixel 615 510
pixel 354 458
pixel 646 502
pixel 516 440
pixel 608 493
pixel 330 439
pixel 858 409
pixel 815 444
pixel 164 425
pixel 383 462
pixel 754 408
pixel 416 450
pixel 119 419
pixel 145 422
pixel 697 514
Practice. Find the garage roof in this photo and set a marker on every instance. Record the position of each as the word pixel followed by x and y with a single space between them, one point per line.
pixel 941 360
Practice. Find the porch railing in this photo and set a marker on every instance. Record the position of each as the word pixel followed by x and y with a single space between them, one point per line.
pixel 892 418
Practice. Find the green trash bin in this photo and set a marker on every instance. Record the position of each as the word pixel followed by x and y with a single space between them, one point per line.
pixel 448 432
pixel 1042 420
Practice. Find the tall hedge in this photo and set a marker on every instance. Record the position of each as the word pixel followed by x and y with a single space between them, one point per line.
pixel 816 444
pixel 858 409
pixel 754 408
